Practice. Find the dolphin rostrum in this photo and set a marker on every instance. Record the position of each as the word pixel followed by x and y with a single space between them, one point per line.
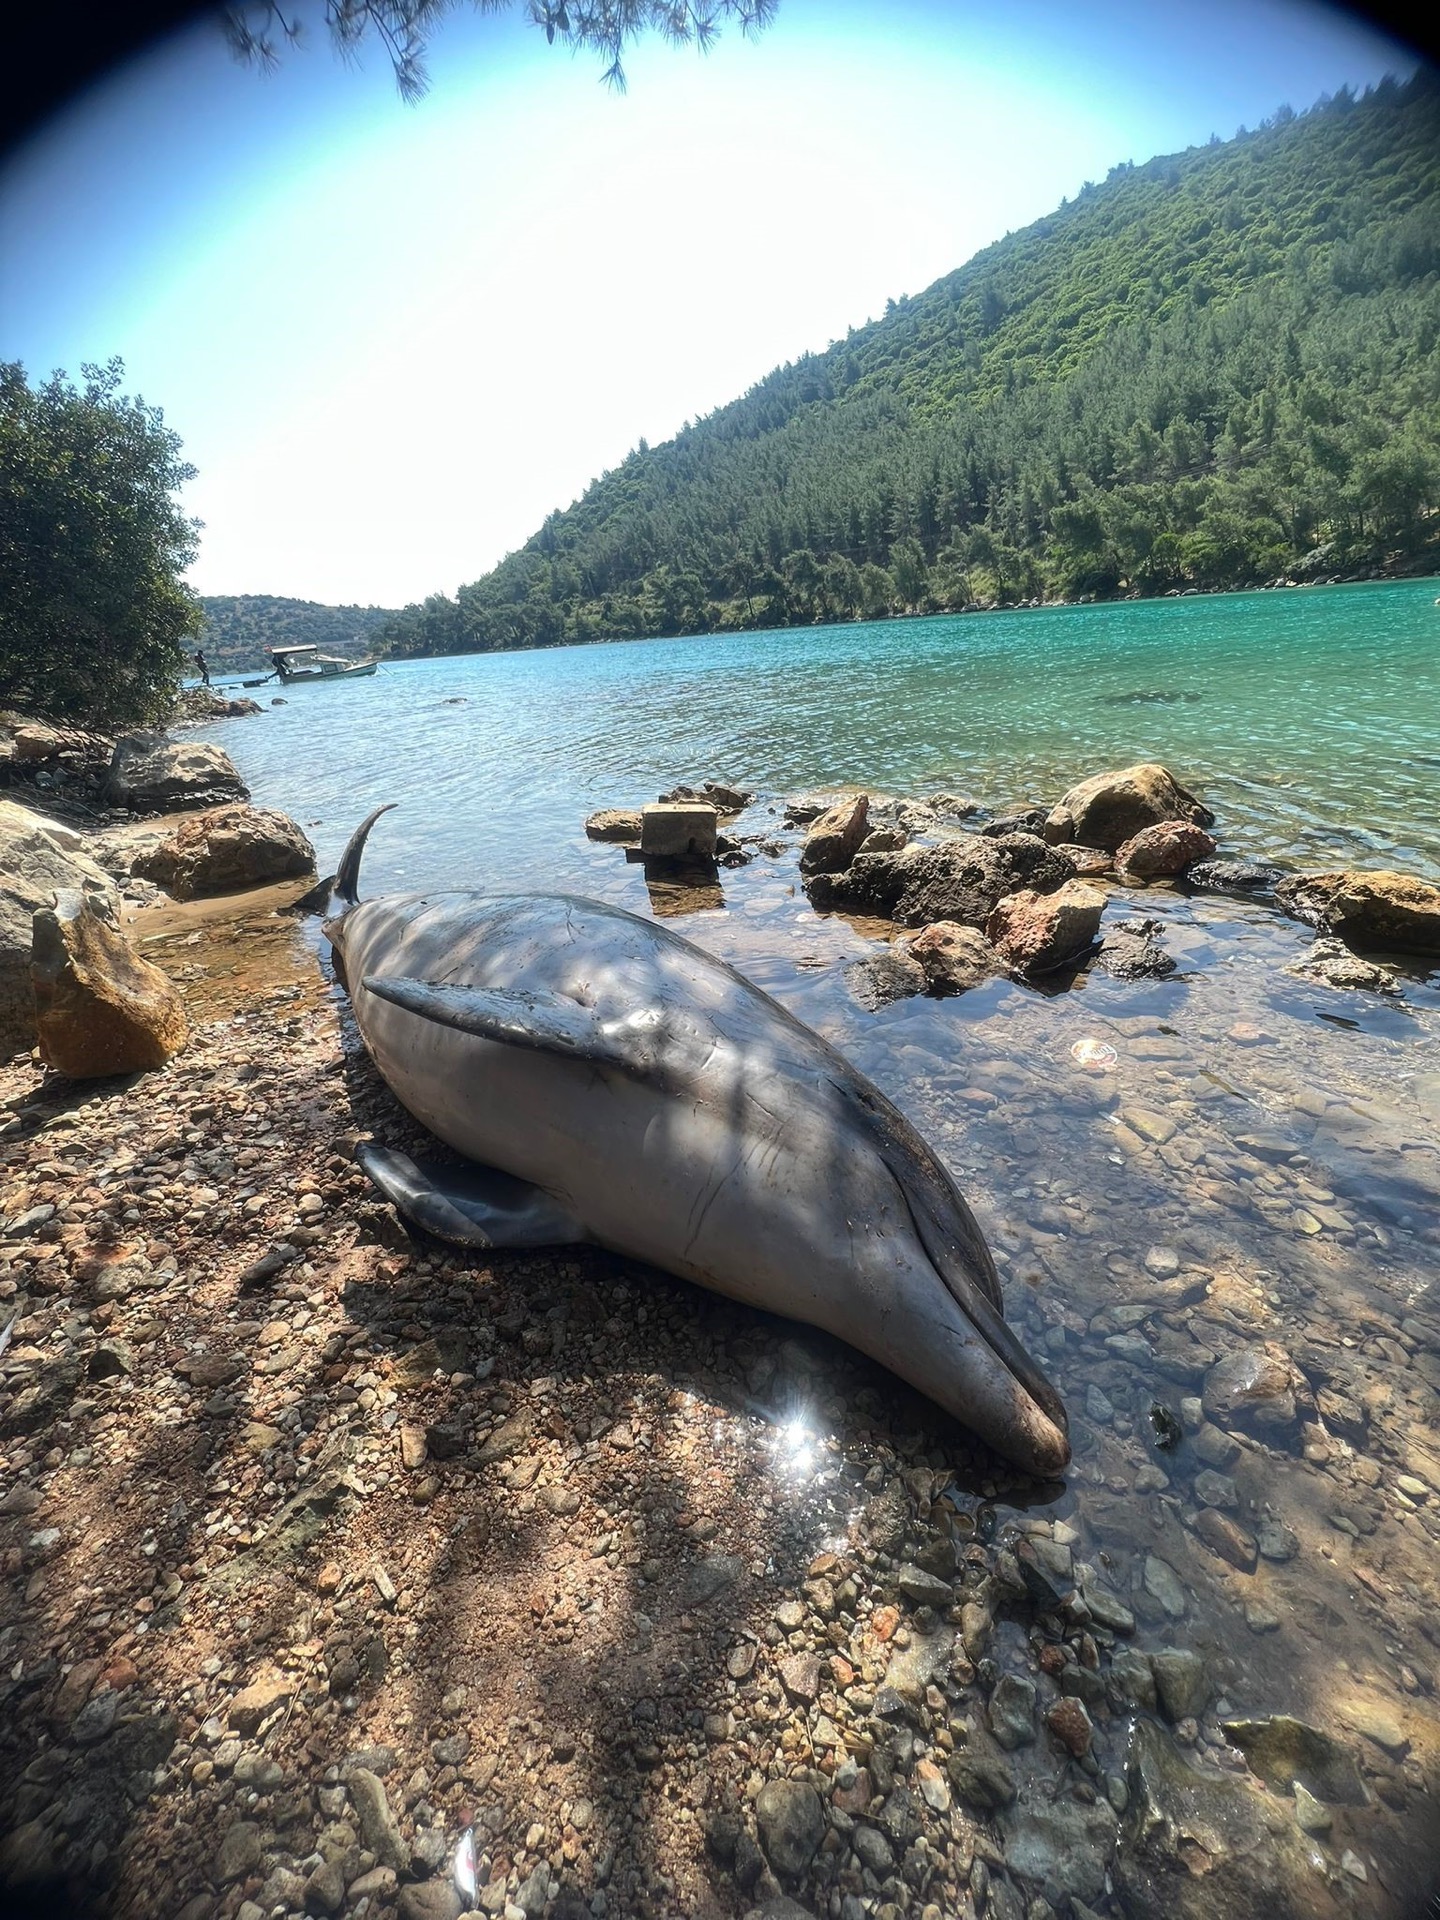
pixel 611 1082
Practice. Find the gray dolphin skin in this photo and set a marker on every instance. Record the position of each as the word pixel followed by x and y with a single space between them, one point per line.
pixel 611 1082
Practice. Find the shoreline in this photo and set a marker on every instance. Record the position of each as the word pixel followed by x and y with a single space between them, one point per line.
pixel 1392 578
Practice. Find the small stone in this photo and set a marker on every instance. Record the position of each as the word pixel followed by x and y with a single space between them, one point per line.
pixel 934 1787
pixel 1216 1490
pixel 1070 1724
pixel 1162 1583
pixel 1311 1815
pixel 1227 1538
pixel 792 1824
pixel 924 1588
pixel 378 1825
pixel 325 1889
pixel 982 1781
pixel 1181 1683
pixel 800 1676
pixel 1352 1864
pixel 414 1448
pixel 1012 1711
pixel 239 1852
pixel 256 1702
pixel 1276 1541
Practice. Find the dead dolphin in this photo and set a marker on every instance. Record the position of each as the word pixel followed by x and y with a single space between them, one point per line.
pixel 613 1083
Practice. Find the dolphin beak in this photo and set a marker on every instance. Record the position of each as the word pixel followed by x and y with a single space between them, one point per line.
pixel 960 1352
pixel 1016 1410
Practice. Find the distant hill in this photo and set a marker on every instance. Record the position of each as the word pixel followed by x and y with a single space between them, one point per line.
pixel 240 628
pixel 1210 370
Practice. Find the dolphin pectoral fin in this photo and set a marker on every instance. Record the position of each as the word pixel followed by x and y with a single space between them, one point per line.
pixel 469 1206
pixel 646 1044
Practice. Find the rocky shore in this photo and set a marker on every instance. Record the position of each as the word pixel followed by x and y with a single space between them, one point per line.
pixel 344 1574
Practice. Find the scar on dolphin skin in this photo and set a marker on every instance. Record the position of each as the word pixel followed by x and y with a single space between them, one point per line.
pixel 550 1019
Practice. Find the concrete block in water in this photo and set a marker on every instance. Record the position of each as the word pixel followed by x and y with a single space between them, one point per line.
pixel 674 830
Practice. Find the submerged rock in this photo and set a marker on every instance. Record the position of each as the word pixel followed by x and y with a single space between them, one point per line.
pixel 150 773
pixel 1333 964
pixel 1367 909
pixel 1130 950
pixel 954 958
pixel 792 1824
pixel 225 850
pixel 1258 1389
pixel 1234 876
pixel 1036 933
pixel 1063 1846
pixel 885 977
pixel 1204 1846
pixel 100 1009
pixel 1286 1753
pixel 1110 808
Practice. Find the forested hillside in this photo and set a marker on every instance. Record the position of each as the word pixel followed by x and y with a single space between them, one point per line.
pixel 1214 369
pixel 239 628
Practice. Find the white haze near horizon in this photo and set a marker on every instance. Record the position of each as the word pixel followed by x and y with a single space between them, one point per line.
pixel 393 339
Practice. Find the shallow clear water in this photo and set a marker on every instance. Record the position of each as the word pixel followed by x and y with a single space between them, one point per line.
pixel 1261 1162
pixel 1310 719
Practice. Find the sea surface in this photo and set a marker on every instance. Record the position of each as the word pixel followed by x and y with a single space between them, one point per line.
pixel 1235 1156
pixel 1309 718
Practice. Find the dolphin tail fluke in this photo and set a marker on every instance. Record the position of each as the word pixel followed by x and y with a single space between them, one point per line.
pixel 347 879
pixel 469 1206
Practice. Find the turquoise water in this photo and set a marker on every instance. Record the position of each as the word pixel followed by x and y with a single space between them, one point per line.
pixel 1310 720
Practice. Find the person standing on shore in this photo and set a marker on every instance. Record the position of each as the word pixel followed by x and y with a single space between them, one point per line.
pixel 203 665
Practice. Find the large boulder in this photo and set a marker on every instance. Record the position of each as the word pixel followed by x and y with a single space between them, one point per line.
pixel 99 1008
pixel 37 857
pixel 835 838
pixel 1037 932
pixel 1110 808
pixel 150 773
pixel 225 850
pixel 1169 847
pixel 962 879
pixel 1379 909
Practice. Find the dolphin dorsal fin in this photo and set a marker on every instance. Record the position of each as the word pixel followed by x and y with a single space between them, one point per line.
pixel 642 1044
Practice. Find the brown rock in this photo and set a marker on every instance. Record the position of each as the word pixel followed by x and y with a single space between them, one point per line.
pixel 225 850
pixel 1110 808
pixel 1227 1538
pixel 254 1703
pixel 1170 846
pixel 614 823
pixel 1070 1724
pixel 800 1676
pixel 835 838
pixel 1367 909
pixel 1036 932
pixel 38 857
pixel 954 958
pixel 100 1009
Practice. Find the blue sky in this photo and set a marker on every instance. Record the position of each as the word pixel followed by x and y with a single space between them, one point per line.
pixel 394 338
